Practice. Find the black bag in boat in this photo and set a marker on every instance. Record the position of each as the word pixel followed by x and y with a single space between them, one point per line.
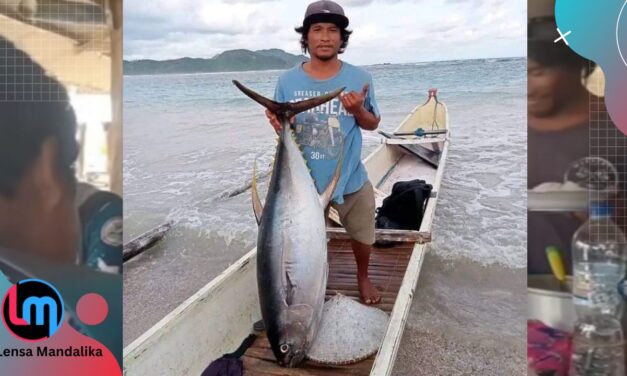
pixel 230 364
pixel 404 208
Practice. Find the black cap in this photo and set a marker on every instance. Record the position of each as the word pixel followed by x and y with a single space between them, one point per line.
pixel 540 9
pixel 325 11
pixel 541 21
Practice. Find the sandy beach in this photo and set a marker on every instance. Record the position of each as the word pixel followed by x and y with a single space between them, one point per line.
pixel 451 331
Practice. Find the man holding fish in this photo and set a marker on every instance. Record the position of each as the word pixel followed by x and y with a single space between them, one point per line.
pixel 324 130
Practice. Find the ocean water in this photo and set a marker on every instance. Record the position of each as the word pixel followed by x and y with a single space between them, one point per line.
pixel 190 139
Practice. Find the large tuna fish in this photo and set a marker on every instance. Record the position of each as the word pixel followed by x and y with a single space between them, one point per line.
pixel 292 244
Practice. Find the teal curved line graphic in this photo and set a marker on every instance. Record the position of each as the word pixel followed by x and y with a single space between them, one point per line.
pixel 598 32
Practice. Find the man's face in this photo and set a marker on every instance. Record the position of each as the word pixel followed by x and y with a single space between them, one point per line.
pixel 549 88
pixel 40 218
pixel 324 40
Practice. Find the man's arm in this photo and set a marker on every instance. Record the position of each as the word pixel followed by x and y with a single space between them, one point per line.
pixel 366 119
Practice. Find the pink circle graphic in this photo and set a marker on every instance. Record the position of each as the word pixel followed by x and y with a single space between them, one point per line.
pixel 92 309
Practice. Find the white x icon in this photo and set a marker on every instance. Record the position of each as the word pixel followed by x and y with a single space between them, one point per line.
pixel 562 36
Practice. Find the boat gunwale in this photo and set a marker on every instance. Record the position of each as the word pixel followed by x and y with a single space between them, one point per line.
pixel 386 355
pixel 153 333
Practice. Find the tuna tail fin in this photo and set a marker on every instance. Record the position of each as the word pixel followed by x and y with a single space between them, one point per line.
pixel 287 109
pixel 257 207
pixel 327 195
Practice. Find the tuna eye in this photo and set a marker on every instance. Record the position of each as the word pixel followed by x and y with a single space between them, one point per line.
pixel 285 348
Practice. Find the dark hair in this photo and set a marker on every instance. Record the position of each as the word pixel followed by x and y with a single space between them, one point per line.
pixel 304 31
pixel 33 108
pixel 541 33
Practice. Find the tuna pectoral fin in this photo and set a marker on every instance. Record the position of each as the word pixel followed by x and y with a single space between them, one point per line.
pixel 287 109
pixel 257 207
pixel 326 196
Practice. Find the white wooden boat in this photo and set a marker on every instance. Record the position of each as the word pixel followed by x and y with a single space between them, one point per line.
pixel 220 315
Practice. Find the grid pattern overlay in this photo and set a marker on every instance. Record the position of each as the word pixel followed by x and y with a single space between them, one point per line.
pixel 61 37
pixel 608 142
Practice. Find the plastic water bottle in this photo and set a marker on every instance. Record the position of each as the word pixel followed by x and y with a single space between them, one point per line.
pixel 598 347
pixel 599 259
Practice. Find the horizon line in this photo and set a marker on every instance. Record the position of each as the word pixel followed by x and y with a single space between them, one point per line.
pixel 281 69
pixel 385 62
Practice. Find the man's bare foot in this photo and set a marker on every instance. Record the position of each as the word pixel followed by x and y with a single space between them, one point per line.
pixel 367 292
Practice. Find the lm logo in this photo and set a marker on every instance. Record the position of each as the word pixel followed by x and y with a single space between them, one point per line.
pixel 32 310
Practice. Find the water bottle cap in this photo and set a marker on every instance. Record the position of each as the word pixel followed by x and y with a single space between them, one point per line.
pixel 600 209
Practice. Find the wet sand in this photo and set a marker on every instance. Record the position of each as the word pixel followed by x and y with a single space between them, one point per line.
pixel 465 319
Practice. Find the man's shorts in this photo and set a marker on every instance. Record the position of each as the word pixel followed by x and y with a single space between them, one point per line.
pixel 357 214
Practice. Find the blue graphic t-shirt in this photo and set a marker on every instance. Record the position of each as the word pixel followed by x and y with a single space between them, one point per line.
pixel 323 131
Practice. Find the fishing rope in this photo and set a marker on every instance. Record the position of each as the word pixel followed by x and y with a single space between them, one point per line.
pixel 434 124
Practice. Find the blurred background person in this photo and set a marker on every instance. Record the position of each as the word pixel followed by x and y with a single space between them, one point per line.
pixel 560 124
pixel 38 150
pixel 60 131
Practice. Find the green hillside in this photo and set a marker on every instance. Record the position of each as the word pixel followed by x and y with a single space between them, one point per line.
pixel 228 61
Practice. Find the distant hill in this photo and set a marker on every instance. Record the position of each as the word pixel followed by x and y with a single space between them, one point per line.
pixel 228 61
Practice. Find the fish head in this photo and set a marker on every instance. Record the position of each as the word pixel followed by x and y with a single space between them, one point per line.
pixel 291 356
pixel 292 346
pixel 295 337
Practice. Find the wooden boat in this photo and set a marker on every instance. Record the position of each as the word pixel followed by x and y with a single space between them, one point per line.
pixel 220 315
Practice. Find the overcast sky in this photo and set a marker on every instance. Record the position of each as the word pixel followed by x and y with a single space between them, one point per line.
pixel 395 31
